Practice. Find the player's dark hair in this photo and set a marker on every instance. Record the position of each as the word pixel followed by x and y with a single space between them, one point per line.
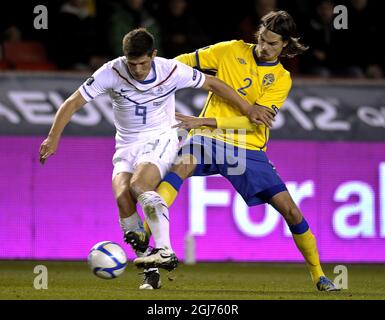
pixel 137 43
pixel 282 23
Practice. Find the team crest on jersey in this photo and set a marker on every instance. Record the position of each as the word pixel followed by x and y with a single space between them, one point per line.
pixel 158 90
pixel 268 79
pixel 241 61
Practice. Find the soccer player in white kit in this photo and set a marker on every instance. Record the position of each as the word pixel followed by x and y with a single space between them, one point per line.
pixel 142 89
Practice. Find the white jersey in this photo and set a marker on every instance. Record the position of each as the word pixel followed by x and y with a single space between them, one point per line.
pixel 142 109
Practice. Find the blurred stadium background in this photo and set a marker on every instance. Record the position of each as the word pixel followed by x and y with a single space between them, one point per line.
pixel 328 142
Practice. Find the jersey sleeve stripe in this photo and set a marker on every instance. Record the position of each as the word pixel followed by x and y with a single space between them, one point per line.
pixel 198 66
pixel 197 59
pixel 207 104
pixel 85 90
pixel 199 81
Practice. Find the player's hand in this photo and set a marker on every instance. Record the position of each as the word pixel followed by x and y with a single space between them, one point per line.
pixel 188 122
pixel 261 115
pixel 47 148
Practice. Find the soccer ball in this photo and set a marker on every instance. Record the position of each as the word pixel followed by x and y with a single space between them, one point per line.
pixel 107 260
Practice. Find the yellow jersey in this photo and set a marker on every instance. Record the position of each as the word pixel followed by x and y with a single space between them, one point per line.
pixel 264 83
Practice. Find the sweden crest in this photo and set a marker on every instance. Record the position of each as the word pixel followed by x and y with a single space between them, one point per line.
pixel 268 79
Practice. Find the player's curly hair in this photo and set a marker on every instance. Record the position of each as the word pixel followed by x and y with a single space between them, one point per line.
pixel 282 23
pixel 137 43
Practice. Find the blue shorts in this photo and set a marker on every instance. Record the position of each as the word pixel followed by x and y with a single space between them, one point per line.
pixel 249 171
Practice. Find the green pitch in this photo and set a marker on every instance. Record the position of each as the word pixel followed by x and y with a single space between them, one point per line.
pixel 209 281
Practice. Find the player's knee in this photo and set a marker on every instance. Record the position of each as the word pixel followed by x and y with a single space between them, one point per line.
pixel 292 215
pixel 184 170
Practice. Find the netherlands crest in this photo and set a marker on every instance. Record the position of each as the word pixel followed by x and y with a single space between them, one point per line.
pixel 268 79
pixel 158 90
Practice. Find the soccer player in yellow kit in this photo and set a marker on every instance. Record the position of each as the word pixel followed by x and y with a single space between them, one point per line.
pixel 255 72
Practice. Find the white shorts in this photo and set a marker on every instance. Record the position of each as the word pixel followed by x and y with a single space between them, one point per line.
pixel 161 151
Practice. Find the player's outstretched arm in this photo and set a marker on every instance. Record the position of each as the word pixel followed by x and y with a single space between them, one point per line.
pixel 191 122
pixel 62 117
pixel 257 114
pixel 223 90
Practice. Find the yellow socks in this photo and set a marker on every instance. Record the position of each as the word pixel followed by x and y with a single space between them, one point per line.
pixel 169 187
pixel 167 192
pixel 306 243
